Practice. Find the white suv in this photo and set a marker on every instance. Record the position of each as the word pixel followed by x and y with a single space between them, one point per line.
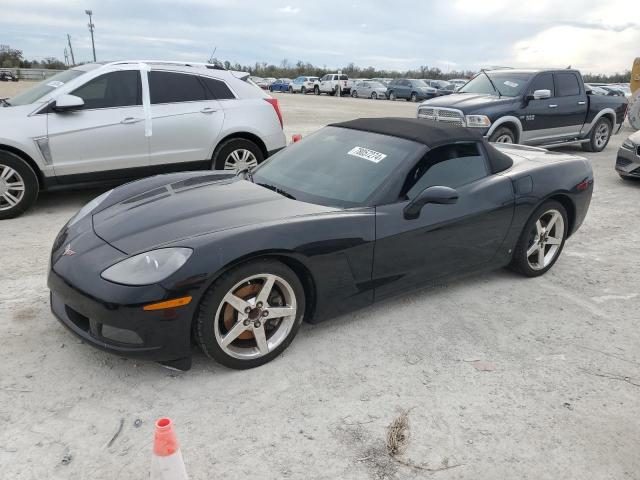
pixel 118 121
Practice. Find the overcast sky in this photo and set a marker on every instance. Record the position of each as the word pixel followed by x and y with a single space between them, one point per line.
pixel 598 36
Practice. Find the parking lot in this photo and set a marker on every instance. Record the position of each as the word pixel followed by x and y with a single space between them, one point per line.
pixel 501 376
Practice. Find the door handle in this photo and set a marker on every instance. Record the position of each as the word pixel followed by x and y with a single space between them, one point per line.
pixel 582 102
pixel 553 106
pixel 130 120
pixel 208 110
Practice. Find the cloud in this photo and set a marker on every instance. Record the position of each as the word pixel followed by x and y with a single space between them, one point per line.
pixel 289 10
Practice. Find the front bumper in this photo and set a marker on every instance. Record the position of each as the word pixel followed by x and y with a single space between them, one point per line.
pixel 162 336
pixel 628 162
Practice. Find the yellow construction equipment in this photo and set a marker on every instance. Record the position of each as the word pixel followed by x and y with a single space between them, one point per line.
pixel 634 102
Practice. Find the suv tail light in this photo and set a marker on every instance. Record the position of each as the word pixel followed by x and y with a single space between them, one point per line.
pixel 276 107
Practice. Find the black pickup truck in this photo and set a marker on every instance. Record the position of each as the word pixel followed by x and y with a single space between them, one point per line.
pixel 532 107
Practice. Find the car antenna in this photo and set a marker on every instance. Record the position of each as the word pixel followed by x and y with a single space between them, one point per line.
pixel 492 84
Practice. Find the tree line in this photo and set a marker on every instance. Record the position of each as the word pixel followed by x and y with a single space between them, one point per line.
pixel 13 58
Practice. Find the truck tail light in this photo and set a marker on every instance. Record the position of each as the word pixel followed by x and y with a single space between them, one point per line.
pixel 276 107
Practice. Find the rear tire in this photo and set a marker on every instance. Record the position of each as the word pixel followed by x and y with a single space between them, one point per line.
pixel 599 136
pixel 230 155
pixel 527 258
pixel 18 185
pixel 354 94
pixel 216 318
pixel 414 97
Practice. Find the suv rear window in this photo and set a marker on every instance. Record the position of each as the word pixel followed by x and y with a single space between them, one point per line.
pixel 567 84
pixel 216 89
pixel 170 87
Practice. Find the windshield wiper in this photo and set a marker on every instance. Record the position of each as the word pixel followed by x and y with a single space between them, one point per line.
pixel 492 84
pixel 282 192
pixel 5 102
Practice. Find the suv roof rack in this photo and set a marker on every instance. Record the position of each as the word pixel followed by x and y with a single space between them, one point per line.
pixel 212 66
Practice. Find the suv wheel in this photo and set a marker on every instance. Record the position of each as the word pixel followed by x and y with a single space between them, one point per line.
pixel 354 94
pixel 316 90
pixel 303 90
pixel 236 154
pixel 414 97
pixel 291 90
pixel 599 137
pixel 503 135
pixel 18 186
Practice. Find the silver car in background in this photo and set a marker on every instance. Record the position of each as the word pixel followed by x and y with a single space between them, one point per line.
pixel 369 89
pixel 118 121
pixel 628 161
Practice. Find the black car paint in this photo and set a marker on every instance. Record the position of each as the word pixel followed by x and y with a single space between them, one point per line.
pixel 347 258
pixel 536 114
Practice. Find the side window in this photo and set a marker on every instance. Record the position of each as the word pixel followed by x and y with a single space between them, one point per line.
pixel 450 166
pixel 344 77
pixel 567 84
pixel 216 89
pixel 114 89
pixel 170 87
pixel 544 81
pixel 324 79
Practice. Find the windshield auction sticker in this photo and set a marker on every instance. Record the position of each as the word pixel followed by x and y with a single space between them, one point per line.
pixel 367 154
pixel 55 84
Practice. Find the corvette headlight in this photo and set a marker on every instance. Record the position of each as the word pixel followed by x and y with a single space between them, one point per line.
pixel 147 268
pixel 89 207
pixel 478 121
pixel 628 144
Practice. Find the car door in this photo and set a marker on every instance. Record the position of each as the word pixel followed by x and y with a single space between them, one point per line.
pixel 539 117
pixel 107 133
pixel 186 118
pixel 571 103
pixel 444 240
pixel 405 89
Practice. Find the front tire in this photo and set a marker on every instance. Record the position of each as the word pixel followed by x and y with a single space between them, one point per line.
pixel 599 137
pixel 392 96
pixel 18 186
pixel 236 154
pixel 250 314
pixel 354 94
pixel 503 135
pixel 291 90
pixel 542 240
pixel 303 90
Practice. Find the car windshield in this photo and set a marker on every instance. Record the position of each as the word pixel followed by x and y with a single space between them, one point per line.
pixel 40 90
pixel 439 83
pixel 507 84
pixel 420 83
pixel 335 166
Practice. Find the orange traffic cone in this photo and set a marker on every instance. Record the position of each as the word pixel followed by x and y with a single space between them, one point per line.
pixel 167 463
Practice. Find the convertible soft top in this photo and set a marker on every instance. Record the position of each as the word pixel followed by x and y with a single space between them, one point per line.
pixel 427 133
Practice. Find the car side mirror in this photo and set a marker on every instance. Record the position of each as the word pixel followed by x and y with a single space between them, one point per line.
pixel 437 194
pixel 66 103
pixel 541 94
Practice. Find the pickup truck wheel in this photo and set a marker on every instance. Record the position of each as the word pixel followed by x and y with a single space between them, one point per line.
pixel 316 90
pixel 503 135
pixel 18 186
pixel 599 137
pixel 333 92
pixel 414 97
pixel 392 96
pixel 541 241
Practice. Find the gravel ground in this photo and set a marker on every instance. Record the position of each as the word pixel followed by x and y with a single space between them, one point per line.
pixel 502 377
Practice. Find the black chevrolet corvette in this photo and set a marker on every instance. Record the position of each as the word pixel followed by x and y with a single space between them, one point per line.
pixel 357 212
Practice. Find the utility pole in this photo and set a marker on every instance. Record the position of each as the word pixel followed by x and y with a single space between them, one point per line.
pixel 91 28
pixel 73 60
pixel 66 57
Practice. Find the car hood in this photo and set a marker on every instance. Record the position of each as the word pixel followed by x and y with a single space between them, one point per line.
pixel 198 205
pixel 466 101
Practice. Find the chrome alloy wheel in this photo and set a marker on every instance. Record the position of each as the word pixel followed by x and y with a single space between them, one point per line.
pixel 602 135
pixel 240 159
pixel 11 187
pixel 545 240
pixel 504 139
pixel 255 316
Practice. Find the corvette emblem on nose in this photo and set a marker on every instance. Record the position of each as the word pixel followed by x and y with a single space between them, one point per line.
pixel 67 251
